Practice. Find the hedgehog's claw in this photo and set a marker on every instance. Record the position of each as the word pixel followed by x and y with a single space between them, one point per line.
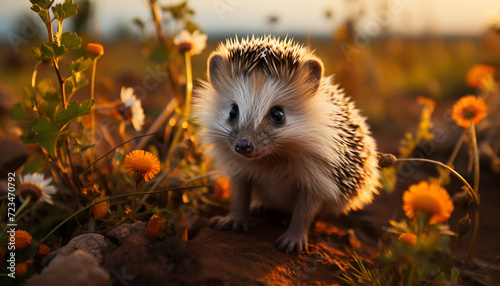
pixel 229 222
pixel 292 241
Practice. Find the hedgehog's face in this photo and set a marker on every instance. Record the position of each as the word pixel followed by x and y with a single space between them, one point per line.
pixel 255 116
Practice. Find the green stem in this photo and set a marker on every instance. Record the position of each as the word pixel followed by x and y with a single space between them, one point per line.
pixel 411 276
pixel 475 151
pixel 23 206
pixel 189 84
pixel 33 87
pixel 105 200
pixel 92 114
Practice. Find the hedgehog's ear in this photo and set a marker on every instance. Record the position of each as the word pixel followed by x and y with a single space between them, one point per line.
pixel 217 65
pixel 313 72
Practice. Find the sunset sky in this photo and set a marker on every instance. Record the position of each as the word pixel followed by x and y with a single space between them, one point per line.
pixel 413 17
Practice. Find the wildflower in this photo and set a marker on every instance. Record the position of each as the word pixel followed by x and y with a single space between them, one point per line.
pixel 43 250
pixel 386 160
pixel 142 162
pixel 23 239
pixel 478 73
pixel 22 268
pixel 222 188
pixel 35 186
pixel 100 210
pixel 131 108
pixel 429 198
pixel 409 239
pixel 157 226
pixel 194 43
pixel 467 108
pixel 95 49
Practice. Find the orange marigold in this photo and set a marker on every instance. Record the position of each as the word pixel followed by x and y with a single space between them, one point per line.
pixel 467 108
pixel 143 163
pixel 157 226
pixel 429 198
pixel 408 239
pixel 478 73
pixel 95 49
pixel 43 250
pixel 100 210
pixel 23 239
pixel 22 268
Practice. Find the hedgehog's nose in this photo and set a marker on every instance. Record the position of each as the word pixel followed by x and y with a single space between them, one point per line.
pixel 244 147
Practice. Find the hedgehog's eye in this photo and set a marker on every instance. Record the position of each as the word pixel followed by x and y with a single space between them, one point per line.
pixel 233 113
pixel 277 114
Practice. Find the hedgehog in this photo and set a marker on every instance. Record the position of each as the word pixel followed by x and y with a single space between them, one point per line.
pixel 288 138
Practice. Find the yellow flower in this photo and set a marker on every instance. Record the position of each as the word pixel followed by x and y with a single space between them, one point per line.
pixel 194 43
pixel 467 108
pixel 157 226
pixel 95 49
pixel 100 210
pixel 478 73
pixel 430 198
pixel 23 239
pixel 408 239
pixel 37 187
pixel 43 250
pixel 143 163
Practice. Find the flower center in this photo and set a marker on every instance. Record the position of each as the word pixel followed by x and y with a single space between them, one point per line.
pixel 30 190
pixel 185 46
pixel 426 203
pixel 141 165
pixel 124 111
pixel 469 112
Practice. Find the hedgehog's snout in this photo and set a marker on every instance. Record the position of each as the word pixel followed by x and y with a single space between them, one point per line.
pixel 244 147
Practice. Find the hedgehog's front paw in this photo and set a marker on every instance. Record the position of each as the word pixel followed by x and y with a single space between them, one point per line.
pixel 233 223
pixel 292 241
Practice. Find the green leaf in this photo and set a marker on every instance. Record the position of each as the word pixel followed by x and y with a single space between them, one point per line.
pixel 49 52
pixel 454 274
pixel 71 40
pixel 33 166
pixel 45 134
pixel 36 54
pixel 72 111
pixel 28 137
pixel 79 65
pixel 191 26
pixel 43 4
pixel 441 278
pixel 64 10
pixel 41 10
pixel 48 99
pixel 18 113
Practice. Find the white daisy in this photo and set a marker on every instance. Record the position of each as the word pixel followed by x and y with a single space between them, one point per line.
pixel 37 187
pixel 133 107
pixel 195 43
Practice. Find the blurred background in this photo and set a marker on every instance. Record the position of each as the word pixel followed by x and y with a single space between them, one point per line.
pixel 384 53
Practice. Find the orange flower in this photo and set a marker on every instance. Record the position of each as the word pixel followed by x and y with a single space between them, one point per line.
pixel 43 250
pixel 478 73
pixel 95 49
pixel 100 210
pixel 22 268
pixel 429 198
pixel 409 239
pixel 23 239
pixel 157 226
pixel 143 163
pixel 467 108
pixel 222 188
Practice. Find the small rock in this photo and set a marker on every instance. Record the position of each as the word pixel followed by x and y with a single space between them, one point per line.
pixel 13 154
pixel 79 268
pixel 135 233
pixel 91 243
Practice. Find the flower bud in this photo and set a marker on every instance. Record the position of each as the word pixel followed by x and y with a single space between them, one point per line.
pixel 463 225
pixel 95 49
pixel 386 160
